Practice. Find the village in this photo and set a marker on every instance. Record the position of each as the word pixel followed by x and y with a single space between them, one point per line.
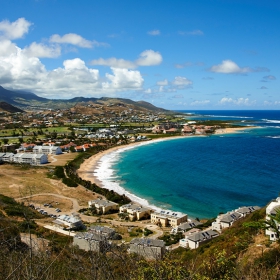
pixel 153 225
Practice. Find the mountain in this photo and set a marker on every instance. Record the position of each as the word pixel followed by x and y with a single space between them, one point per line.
pixel 28 101
pixel 4 106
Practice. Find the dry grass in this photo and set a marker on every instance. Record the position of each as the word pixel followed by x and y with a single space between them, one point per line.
pixel 60 160
pixel 18 182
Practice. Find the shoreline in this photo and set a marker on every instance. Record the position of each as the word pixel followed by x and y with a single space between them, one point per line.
pixel 88 168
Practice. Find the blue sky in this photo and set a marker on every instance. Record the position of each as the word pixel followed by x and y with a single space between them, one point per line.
pixel 179 54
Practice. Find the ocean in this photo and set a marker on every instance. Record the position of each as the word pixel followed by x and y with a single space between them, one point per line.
pixel 202 176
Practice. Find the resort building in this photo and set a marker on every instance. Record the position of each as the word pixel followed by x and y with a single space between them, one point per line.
pixel 135 211
pixel 227 220
pixel 271 210
pixel 91 241
pixel 47 150
pixel 148 248
pixel 168 218
pixel 107 232
pixel 194 240
pixel 70 222
pixel 8 157
pixel 103 206
pixel 28 158
pixel 184 227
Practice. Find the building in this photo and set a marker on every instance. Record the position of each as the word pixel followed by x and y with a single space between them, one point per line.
pixel 107 232
pixel 28 158
pixel 194 240
pixel 8 157
pixel 168 218
pixel 271 210
pixel 227 220
pixel 47 150
pixel 135 211
pixel 91 241
pixel 186 226
pixel 103 206
pixel 148 248
pixel 70 222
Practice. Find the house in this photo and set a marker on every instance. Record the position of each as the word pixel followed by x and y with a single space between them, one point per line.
pixel 183 227
pixel 70 222
pixel 148 248
pixel 107 232
pixel 103 206
pixel 167 218
pixel 194 240
pixel 135 211
pixel 91 241
pixel 271 209
pixel 227 220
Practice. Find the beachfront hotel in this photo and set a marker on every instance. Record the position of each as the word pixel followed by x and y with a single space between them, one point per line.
pixel 168 218
pixel 135 211
pixel 103 206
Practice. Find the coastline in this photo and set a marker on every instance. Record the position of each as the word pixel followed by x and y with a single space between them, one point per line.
pixel 87 170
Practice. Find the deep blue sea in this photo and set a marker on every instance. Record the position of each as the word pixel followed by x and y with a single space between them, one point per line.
pixel 202 176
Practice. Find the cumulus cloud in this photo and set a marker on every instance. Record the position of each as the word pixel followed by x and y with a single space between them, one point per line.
pixel 76 40
pixel 41 50
pixel 14 30
pixel 124 79
pixel 188 64
pixel 239 101
pixel 146 58
pixel 182 82
pixel 269 78
pixel 154 32
pixel 196 32
pixel 230 67
pixel 200 102
pixel 19 70
pixel 162 83
pixel 149 58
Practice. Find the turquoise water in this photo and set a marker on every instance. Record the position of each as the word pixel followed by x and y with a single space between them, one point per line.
pixel 203 176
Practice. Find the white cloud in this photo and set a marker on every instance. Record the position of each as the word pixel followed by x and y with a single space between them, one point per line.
pixel 41 50
pixel 154 32
pixel 124 79
pixel 230 67
pixel 200 102
pixel 162 83
pixel 269 77
pixel 76 40
pixel 7 48
pixel 239 101
pixel 14 30
pixel 182 82
pixel 147 58
pixel 114 62
pixel 193 32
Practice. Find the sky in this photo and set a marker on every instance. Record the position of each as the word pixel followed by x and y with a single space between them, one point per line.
pixel 175 54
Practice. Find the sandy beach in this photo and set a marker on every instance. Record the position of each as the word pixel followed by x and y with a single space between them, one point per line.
pixel 87 168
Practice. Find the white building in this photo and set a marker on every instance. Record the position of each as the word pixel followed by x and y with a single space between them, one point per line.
pixel 193 241
pixel 28 158
pixel 47 150
pixel 271 209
